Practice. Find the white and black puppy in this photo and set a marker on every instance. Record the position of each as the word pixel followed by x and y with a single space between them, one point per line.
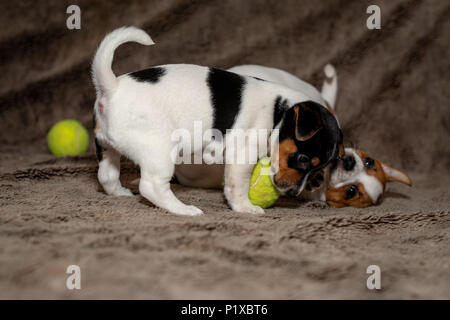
pixel 136 113
pixel 210 176
pixel 357 179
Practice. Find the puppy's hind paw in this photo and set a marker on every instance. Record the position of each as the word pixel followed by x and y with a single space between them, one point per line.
pixel 122 192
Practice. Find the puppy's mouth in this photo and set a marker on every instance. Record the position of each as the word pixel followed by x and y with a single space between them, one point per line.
pixel 295 191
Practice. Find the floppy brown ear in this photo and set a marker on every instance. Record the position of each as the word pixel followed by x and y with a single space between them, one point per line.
pixel 308 121
pixel 395 175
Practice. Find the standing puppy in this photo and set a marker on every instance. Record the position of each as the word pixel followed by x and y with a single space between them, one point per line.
pixel 136 114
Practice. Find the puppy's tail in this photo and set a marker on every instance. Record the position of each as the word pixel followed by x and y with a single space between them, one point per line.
pixel 330 85
pixel 103 77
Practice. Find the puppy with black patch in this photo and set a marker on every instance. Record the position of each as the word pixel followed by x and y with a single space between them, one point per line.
pixel 136 114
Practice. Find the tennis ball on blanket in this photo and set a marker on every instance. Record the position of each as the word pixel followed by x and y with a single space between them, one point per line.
pixel 262 192
pixel 68 138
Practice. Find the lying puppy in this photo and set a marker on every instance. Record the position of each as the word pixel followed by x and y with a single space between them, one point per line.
pixel 357 180
pixel 136 114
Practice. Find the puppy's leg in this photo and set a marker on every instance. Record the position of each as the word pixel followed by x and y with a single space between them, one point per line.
pixel 156 172
pixel 237 178
pixel 109 173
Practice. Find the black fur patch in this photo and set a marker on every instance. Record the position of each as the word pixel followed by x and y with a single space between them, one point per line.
pixel 226 97
pixel 152 75
pixel 174 180
pixel 281 105
pixel 98 150
pixel 98 147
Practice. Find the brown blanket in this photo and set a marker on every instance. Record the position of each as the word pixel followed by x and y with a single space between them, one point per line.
pixel 393 103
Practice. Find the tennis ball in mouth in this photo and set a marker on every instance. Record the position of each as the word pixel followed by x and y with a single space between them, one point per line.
pixel 68 138
pixel 262 192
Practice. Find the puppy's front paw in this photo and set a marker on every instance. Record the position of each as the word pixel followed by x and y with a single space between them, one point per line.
pixel 188 211
pixel 122 192
pixel 247 207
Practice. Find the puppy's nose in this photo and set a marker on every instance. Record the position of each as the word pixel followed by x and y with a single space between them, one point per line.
pixel 348 162
pixel 303 162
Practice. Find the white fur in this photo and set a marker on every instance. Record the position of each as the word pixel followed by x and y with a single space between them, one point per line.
pixel 330 85
pixel 136 119
pixel 278 76
pixel 104 79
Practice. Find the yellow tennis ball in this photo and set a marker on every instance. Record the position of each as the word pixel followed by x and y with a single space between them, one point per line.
pixel 262 192
pixel 68 138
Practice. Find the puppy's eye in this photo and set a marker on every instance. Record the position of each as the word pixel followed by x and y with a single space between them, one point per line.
pixel 368 163
pixel 351 192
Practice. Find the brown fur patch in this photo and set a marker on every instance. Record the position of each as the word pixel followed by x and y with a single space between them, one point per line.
pixel 286 177
pixel 376 170
pixel 315 161
pixel 336 197
pixel 341 151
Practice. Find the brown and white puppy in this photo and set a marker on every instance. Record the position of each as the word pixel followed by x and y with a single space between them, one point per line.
pixel 355 179
pixel 360 181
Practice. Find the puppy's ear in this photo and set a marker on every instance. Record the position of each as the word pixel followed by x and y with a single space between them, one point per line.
pixel 308 121
pixel 395 175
